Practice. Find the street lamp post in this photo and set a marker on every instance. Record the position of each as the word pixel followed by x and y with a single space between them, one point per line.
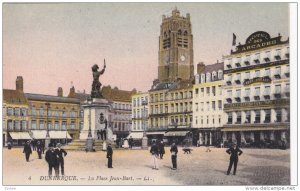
pixel 89 141
pixel 47 140
pixel 145 139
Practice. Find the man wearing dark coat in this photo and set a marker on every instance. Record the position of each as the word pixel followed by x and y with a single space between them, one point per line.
pixel 174 151
pixel 39 149
pixel 27 150
pixel 130 141
pixel 52 160
pixel 154 153
pixel 161 148
pixel 61 154
pixel 101 134
pixel 234 153
pixel 109 153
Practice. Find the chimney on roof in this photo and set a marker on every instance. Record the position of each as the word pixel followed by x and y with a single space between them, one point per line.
pixel 200 68
pixel 72 93
pixel 19 83
pixel 60 92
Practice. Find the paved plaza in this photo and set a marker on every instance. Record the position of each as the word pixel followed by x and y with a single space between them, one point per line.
pixel 134 167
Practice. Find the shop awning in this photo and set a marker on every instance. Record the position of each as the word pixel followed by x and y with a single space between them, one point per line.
pixel 59 135
pixel 41 134
pixel 136 135
pixel 255 129
pixel 20 135
pixel 176 133
pixel 155 133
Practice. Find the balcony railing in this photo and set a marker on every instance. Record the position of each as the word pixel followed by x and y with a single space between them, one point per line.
pixel 267 59
pixel 257 98
pixel 247 63
pixel 277 57
pixel 238 81
pixel 277 95
pixel 277 76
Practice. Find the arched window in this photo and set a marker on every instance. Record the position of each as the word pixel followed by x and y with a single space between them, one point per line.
pixel 214 76
pixel 220 74
pixel 208 77
pixel 185 33
pixel 179 32
pixel 202 78
pixel 165 35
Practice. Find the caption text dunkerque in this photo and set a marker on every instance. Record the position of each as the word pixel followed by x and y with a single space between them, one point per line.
pixel 96 178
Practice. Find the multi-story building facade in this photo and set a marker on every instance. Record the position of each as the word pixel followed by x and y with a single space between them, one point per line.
pixel 257 91
pixel 120 101
pixel 139 112
pixel 208 103
pixel 170 104
pixel 15 115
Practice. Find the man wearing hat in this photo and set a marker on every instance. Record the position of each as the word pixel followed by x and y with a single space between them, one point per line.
pixel 234 153
pixel 52 160
pixel 27 150
pixel 39 149
pixel 61 153
pixel 109 153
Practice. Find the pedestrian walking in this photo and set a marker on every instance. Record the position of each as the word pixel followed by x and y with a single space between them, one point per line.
pixel 234 153
pixel 154 153
pixel 39 149
pixel 109 154
pixel 161 148
pixel 52 160
pixel 43 146
pixel 174 151
pixel 61 153
pixel 9 145
pixel 27 150
pixel 130 141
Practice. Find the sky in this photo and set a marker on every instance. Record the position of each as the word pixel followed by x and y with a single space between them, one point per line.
pixel 55 45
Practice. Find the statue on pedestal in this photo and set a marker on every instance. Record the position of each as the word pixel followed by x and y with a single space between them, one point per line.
pixel 96 86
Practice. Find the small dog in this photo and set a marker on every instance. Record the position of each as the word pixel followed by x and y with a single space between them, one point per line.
pixel 187 150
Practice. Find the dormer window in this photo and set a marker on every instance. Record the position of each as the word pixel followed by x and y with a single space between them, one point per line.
pixel 214 76
pixel 220 75
pixel 208 77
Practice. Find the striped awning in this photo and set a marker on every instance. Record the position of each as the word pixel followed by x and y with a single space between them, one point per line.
pixel 155 133
pixel 41 134
pixel 20 135
pixel 176 133
pixel 135 135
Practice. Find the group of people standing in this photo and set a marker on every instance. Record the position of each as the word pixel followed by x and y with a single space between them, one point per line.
pixel 158 150
pixel 54 156
pixel 101 134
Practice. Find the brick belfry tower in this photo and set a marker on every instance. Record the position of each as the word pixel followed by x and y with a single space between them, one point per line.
pixel 176 55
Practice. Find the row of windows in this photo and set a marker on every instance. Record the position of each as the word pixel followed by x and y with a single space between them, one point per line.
pixel 257 58
pixel 139 113
pixel 53 125
pixel 122 106
pixel 174 121
pixel 177 107
pixel 207 120
pixel 209 77
pixel 256 92
pixel 15 125
pixel 256 116
pixel 209 106
pixel 53 113
pixel 138 125
pixel 15 111
pixel 171 96
pixel 208 91
pixel 239 78
pixel 139 101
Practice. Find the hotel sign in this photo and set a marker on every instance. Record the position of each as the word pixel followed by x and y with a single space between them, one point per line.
pixel 258 40
pixel 265 79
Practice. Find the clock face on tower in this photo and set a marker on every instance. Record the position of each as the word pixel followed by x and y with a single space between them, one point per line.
pixel 166 59
pixel 182 58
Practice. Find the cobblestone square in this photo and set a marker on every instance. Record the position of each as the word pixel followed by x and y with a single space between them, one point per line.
pixel 134 167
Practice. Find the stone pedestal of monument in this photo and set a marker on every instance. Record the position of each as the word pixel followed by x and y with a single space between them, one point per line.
pixel 96 117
